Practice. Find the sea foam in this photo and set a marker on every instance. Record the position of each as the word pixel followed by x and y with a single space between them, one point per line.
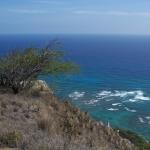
pixel 144 119
pixel 140 96
pixel 76 95
pixel 126 96
pixel 93 101
pixel 131 110
pixel 148 117
pixel 116 104
pixel 112 109
pixel 131 96
pixel 141 120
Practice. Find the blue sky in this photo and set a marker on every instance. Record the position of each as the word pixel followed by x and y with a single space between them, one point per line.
pixel 75 16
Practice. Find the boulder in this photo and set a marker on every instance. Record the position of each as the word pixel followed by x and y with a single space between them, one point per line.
pixel 40 85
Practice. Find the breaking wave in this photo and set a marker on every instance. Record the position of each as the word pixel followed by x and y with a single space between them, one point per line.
pixel 132 96
pixel 131 110
pixel 113 109
pixel 93 101
pixel 116 104
pixel 76 95
pixel 126 96
pixel 144 119
pixel 141 120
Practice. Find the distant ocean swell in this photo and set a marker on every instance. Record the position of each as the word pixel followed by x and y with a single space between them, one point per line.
pixel 115 101
pixel 127 96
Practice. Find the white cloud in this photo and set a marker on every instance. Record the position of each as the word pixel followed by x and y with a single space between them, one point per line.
pixel 48 2
pixel 113 13
pixel 119 13
pixel 28 11
pixel 80 12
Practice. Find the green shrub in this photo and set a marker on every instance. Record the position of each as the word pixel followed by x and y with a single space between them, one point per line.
pixel 19 68
pixel 137 140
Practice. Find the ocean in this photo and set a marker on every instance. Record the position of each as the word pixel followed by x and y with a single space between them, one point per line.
pixel 114 80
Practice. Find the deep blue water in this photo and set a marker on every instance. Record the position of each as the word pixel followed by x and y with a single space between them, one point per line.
pixel 114 82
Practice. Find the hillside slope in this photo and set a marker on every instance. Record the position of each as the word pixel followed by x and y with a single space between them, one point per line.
pixel 37 120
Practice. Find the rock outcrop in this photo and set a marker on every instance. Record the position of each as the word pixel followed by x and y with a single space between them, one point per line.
pixel 40 85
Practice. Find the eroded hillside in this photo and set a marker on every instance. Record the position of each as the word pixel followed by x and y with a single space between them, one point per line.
pixel 36 120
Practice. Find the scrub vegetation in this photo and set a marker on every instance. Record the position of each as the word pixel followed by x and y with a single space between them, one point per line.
pixel 20 67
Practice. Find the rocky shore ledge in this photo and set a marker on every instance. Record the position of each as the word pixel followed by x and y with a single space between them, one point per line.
pixel 37 120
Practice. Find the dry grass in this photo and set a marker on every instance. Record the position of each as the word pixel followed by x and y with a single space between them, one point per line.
pixel 41 122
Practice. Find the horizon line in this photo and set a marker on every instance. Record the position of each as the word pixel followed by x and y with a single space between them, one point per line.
pixel 113 34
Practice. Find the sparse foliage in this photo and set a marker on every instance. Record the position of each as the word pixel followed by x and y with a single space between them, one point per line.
pixel 19 68
pixel 136 139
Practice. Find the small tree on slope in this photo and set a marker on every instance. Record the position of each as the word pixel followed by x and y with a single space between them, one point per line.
pixel 19 68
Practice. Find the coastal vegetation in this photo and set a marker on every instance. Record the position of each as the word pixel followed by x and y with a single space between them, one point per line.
pixel 19 68
pixel 136 139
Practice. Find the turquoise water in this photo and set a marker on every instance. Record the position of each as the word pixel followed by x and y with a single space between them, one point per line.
pixel 114 82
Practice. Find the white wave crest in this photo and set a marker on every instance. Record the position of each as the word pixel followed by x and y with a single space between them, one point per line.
pixel 93 101
pixel 148 117
pixel 140 96
pixel 141 120
pixel 115 93
pixel 126 96
pixel 116 104
pixel 103 93
pixel 145 119
pixel 121 94
pixel 131 110
pixel 112 109
pixel 76 95
pixel 131 96
pixel 132 100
